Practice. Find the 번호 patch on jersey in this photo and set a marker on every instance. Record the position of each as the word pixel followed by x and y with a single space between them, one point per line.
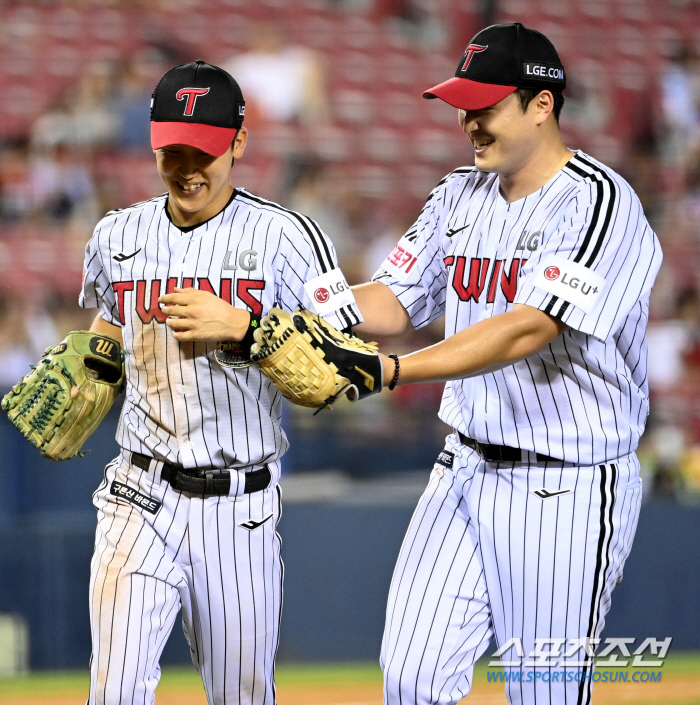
pixel 233 354
pixel 570 281
pixel 329 292
pixel 401 260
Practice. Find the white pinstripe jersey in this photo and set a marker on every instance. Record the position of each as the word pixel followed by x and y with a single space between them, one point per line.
pixel 180 404
pixel 579 249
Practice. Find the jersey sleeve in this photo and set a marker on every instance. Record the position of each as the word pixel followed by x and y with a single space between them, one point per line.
pixel 415 270
pixel 597 264
pixel 309 276
pixel 97 291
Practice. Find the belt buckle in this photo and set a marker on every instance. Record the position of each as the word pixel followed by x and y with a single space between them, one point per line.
pixel 481 450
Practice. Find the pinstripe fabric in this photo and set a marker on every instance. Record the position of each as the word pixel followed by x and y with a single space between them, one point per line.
pixel 583 398
pixel 180 405
pixel 192 554
pixel 484 557
pixel 215 558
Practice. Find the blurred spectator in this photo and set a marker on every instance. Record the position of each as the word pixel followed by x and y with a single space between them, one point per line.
pixel 63 184
pixel 85 117
pixel 281 82
pixel 670 341
pixel 339 208
pixel 17 197
pixel 669 443
pixel 26 330
pixel 679 85
pixel 132 102
pixel 421 22
pixel 52 185
pixel 382 245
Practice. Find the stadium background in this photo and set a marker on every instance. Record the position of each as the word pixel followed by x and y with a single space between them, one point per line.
pixel 339 131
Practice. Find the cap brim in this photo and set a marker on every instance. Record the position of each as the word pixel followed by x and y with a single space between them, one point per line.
pixel 469 95
pixel 210 139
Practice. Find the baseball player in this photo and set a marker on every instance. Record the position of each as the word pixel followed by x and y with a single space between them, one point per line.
pixel 187 512
pixel 542 262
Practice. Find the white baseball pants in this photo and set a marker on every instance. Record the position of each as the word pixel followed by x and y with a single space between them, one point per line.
pixel 216 558
pixel 486 557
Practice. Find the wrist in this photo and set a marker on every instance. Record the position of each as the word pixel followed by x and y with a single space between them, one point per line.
pixel 253 324
pixel 391 369
pixel 239 325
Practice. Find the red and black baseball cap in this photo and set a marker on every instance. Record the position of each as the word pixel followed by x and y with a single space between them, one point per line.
pixel 499 60
pixel 199 105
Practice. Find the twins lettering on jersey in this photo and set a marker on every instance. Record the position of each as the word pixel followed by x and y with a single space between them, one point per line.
pixel 145 294
pixel 470 282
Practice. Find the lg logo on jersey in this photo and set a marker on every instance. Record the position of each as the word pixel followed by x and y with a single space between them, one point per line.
pixel 553 273
pixel 529 241
pixel 247 261
pixel 329 292
pixel 569 280
pixel 322 295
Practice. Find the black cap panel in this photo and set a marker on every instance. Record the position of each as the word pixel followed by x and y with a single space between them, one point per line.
pixel 512 55
pixel 199 93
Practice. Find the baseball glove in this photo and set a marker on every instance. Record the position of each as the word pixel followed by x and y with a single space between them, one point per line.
pixel 59 404
pixel 311 362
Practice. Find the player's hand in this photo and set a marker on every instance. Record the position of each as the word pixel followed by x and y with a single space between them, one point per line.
pixel 200 315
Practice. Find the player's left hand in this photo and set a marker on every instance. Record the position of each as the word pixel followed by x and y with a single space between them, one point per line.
pixel 313 364
pixel 200 315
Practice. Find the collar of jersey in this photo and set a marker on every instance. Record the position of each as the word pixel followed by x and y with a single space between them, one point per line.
pixel 190 228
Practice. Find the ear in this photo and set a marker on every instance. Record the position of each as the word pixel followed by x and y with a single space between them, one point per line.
pixel 240 142
pixel 543 105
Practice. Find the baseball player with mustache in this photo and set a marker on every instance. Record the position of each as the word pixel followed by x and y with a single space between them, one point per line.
pixel 541 261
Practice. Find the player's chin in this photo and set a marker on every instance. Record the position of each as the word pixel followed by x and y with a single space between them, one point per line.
pixel 486 161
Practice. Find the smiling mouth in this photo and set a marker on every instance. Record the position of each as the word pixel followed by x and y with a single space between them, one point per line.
pixel 190 188
pixel 481 144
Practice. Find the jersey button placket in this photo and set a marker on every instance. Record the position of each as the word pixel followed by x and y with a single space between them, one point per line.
pixel 180 368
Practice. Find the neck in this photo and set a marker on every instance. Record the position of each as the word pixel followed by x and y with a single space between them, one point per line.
pixel 547 161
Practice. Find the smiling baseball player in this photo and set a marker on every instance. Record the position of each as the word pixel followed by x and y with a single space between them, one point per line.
pixel 542 262
pixel 187 513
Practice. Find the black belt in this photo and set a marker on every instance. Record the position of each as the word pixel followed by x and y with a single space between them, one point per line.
pixel 204 482
pixel 500 454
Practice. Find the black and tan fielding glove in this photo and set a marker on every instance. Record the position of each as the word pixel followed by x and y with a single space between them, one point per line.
pixel 59 404
pixel 311 362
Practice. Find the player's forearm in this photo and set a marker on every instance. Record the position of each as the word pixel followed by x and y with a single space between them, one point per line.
pixel 485 346
pixel 99 325
pixel 382 312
